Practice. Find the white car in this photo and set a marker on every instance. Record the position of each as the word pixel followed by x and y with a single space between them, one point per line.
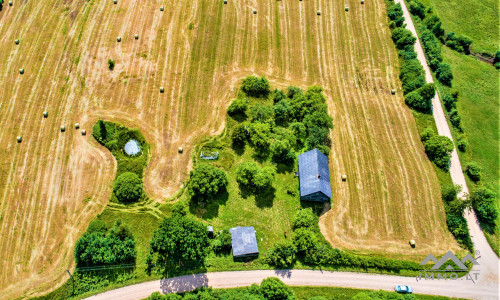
pixel 403 289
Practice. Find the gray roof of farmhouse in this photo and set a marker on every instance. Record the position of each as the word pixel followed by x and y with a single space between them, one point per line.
pixel 243 241
pixel 314 175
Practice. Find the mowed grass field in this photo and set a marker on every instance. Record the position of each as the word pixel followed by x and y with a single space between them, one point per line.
pixel 53 183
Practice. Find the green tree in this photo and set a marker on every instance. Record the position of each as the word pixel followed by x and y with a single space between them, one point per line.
pixel 180 242
pixel 252 176
pixel 473 170
pixel 255 86
pixel 206 181
pixel 304 239
pixel 462 143
pixel 444 74
pixel 426 134
pixel 449 102
pixel 282 255
pixel 262 113
pixel 449 192
pixel 304 218
pixel 412 75
pixel 100 132
pixel 222 244
pixel 260 134
pixel 282 151
pixel 403 37
pixel 484 202
pixel 128 187
pixel 278 95
pixel 438 149
pixel 318 137
pixel 282 111
pixel 274 289
pixel 239 134
pixel 299 130
pixel 293 91
pixel 416 101
pixel 238 107
pixel 455 119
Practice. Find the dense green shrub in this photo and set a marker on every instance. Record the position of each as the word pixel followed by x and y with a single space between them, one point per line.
pixel 462 144
pixel 128 187
pixel 255 86
pixel 444 74
pixel 449 102
pixel 403 37
pixel 282 112
pixel 412 75
pixel 455 119
pixel 274 289
pixel 260 137
pixel 484 203
pixel 206 181
pixel 438 148
pixel 417 9
pixel 282 152
pixel 473 170
pixel 262 113
pixel 304 218
pixel 458 43
pixel 434 24
pixel 497 60
pixel 255 177
pixel 426 134
pixel 432 48
pixel 449 192
pixel 97 248
pixel 179 239
pixel 282 255
pixel 238 107
pixel 293 91
pixel 279 95
pixel 239 134
pixel 299 130
pixel 417 102
pixel 304 238
pixel 222 244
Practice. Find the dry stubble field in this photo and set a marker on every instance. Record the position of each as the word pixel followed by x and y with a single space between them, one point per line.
pixel 53 183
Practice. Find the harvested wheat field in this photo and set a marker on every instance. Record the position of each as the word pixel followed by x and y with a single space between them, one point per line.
pixel 53 183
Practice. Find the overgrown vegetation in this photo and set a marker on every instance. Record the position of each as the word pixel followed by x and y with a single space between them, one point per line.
pixel 100 247
pixel 128 183
pixel 205 181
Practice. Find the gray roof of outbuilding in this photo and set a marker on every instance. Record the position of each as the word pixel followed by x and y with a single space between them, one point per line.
pixel 244 241
pixel 311 164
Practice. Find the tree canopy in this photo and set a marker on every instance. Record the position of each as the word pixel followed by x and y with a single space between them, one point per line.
pixel 206 181
pixel 179 242
pixel 256 87
pixel 128 187
pixel 255 177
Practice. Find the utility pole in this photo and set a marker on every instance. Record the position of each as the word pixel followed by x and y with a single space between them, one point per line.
pixel 73 280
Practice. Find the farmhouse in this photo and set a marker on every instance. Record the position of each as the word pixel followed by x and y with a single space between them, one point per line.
pixel 314 176
pixel 244 242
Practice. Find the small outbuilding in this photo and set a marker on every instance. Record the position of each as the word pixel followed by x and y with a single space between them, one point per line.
pixel 314 176
pixel 244 241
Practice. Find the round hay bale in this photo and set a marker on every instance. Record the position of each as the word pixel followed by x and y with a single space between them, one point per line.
pixel 84 132
pixel 162 90
pixel 19 139
pixel 344 177
pixel 77 125
pixel 45 114
pixel 115 1
pixel 254 11
pixel 63 128
pixel 362 1
pixel 119 39
pixel 17 42
pixel 346 8
pixel 21 71
pixel 180 150
pixel 393 92
pixel 136 36
pixel 412 243
pixel 225 1
pixel 11 3
pixel 162 8
pixel 319 13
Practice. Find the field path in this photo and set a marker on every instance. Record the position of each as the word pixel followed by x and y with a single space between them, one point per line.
pixel 490 263
pixel 452 288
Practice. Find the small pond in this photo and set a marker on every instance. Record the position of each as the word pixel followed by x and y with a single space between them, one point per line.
pixel 132 147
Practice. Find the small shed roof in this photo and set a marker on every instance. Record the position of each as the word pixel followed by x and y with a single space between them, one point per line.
pixel 244 241
pixel 314 175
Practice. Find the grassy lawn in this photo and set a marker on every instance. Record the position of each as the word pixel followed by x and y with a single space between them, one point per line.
pixel 477 19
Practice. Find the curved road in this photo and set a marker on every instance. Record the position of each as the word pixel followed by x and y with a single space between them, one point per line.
pixel 484 286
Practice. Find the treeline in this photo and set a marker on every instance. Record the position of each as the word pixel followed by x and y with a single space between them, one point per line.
pixel 432 22
pixel 418 95
pixel 309 246
pixel 296 120
pixel 100 247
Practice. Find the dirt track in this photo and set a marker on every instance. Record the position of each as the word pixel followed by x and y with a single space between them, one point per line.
pixel 53 184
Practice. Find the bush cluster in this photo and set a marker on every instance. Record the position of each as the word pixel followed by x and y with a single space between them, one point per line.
pixel 256 87
pixel 128 187
pixel 98 247
pixel 484 202
pixel 222 243
pixel 454 209
pixel 438 148
pixel 271 288
pixel 254 177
